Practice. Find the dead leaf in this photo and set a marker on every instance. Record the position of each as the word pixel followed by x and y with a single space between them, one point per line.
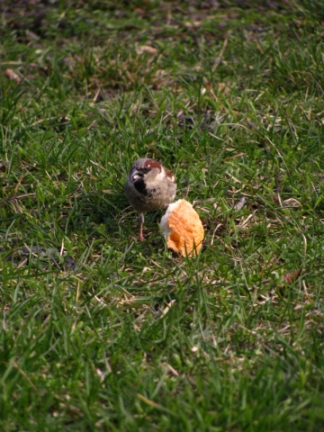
pixel 240 204
pixel 146 48
pixel 291 202
pixel 12 75
pixel 190 24
pixel 291 277
pixel 93 124
pixel 223 88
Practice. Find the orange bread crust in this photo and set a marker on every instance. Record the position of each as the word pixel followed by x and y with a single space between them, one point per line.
pixel 182 228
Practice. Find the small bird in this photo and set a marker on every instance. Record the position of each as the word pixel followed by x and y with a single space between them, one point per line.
pixel 149 187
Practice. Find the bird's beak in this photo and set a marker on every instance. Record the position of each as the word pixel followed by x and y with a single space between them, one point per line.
pixel 136 175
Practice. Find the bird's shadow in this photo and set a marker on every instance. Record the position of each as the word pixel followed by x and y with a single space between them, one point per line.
pixel 97 213
pixel 95 209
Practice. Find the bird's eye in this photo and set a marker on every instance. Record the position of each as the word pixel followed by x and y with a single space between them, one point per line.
pixel 146 169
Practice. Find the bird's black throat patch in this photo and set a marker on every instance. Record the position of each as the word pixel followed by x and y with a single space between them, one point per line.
pixel 140 186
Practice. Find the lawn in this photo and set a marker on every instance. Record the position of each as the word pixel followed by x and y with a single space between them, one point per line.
pixel 102 332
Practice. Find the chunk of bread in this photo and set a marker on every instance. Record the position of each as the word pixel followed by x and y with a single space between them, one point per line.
pixel 182 228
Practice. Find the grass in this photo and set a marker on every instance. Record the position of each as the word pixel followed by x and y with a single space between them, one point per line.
pixel 101 332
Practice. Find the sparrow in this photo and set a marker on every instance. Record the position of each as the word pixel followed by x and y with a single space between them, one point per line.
pixel 149 187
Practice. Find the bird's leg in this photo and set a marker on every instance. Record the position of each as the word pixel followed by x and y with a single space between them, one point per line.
pixel 141 222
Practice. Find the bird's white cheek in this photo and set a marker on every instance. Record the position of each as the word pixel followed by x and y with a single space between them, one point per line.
pixel 160 176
